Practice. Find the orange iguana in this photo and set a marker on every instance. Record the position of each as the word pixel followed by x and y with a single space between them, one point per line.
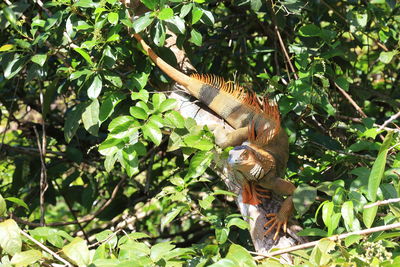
pixel 262 159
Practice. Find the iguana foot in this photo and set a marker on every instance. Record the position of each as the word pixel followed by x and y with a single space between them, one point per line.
pixel 251 194
pixel 279 220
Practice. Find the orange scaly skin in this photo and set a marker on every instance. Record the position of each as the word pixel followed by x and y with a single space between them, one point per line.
pixel 253 120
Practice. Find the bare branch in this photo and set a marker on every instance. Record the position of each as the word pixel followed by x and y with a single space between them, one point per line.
pixel 52 253
pixel 333 238
pixel 382 202
pixel 352 102
pixel 392 118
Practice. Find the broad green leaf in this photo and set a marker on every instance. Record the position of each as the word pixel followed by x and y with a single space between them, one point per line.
pixel 113 17
pixel 310 30
pixel 26 258
pixel 199 142
pixel 159 33
pixel 90 118
pixel 198 164
pixel 238 222
pixel 175 119
pixel 176 25
pixel 195 37
pixel 39 59
pixel 121 123
pixel 304 197
pixel 348 214
pixel 348 241
pixel 157 99
pixel 6 47
pixel 3 206
pixel 10 16
pixel 185 9
pixel 94 90
pixel 165 13
pixel 386 57
pixel 207 17
pixel 343 83
pixel 327 210
pixel 72 121
pixel 142 95
pixel 10 237
pixel 153 132
pixel 224 263
pixel 129 160
pixel 240 256
pixel 206 202
pixel 159 250
pixel 14 66
pixel 151 4
pixel 197 13
pixel 138 113
pixel 140 80
pixel 221 234
pixel 169 217
pixel 167 104
pixel 18 201
pixel 85 3
pixel 77 251
pixel 110 160
pixel 84 54
pixel 369 215
pixel 378 168
pixel 108 105
pixel 107 236
pixel 255 5
pixel 141 23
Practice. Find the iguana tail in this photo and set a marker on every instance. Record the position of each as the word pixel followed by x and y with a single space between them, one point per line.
pixel 191 84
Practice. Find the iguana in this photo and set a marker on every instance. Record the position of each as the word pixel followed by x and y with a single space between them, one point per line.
pixel 253 120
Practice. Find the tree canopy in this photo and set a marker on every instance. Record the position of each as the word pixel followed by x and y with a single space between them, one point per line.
pixel 98 168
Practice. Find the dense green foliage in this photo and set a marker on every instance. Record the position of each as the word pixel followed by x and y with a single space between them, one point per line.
pixel 82 117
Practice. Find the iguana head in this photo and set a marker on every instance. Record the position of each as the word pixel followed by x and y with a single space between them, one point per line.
pixel 246 160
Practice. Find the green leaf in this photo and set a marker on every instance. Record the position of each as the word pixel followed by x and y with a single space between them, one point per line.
pixel 18 201
pixel 195 37
pixel 3 206
pixel 26 258
pixel 72 121
pixel 95 87
pixel 151 4
pixel 185 9
pixel 153 132
pixel 199 163
pixel 157 99
pixel 142 95
pixel 10 16
pixel 304 197
pixel 39 59
pixel 159 34
pixel 255 5
pixel 378 168
pixel 224 263
pixel 84 54
pixel 348 214
pixel 221 234
pixel 10 237
pixel 77 251
pixel 113 17
pixel 175 119
pixel 312 232
pixel 369 215
pixel 14 66
pixel 176 25
pixel 107 107
pixel 85 3
pixel 386 57
pixel 207 17
pixel 343 83
pixel 197 13
pixel 206 202
pixel 159 250
pixel 90 118
pixel 141 23
pixel 167 104
pixel 165 13
pixel 348 241
pixel 140 80
pixel 310 30
pixel 199 142
pixel 138 113
pixel 240 256
pixel 169 217
pixel 238 222
pixel 6 47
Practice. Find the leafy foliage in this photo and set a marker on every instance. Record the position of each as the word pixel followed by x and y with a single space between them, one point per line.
pixel 73 80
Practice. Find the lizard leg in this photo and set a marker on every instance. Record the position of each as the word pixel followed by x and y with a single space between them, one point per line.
pixel 279 220
pixel 224 138
pixel 250 194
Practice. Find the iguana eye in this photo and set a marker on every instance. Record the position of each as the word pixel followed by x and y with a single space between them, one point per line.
pixel 245 154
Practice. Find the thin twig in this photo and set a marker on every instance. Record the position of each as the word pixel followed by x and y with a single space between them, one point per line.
pixel 55 255
pixel 382 202
pixel 333 238
pixel 285 52
pixel 43 177
pixel 392 118
pixel 352 102
pixel 108 238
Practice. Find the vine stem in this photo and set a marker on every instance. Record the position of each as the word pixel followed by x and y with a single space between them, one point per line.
pixel 333 238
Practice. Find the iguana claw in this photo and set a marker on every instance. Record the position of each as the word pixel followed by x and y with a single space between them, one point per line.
pixel 275 222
